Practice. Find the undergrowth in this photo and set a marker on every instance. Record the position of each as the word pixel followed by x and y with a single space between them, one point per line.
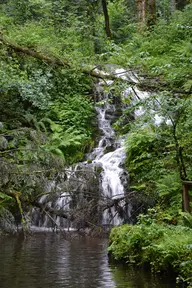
pixel 163 247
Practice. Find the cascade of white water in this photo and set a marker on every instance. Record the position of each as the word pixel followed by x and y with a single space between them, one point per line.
pixel 111 183
pixel 110 155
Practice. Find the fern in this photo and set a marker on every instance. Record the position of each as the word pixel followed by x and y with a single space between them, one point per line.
pixel 4 200
pixel 169 184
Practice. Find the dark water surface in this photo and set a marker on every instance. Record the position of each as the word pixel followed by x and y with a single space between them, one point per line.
pixel 49 261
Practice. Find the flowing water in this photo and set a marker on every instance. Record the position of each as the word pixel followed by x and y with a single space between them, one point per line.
pixel 109 155
pixel 48 260
pixel 111 176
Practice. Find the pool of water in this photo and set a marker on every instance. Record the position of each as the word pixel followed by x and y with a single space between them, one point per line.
pixel 49 260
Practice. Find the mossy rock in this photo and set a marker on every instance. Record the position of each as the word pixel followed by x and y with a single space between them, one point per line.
pixel 3 143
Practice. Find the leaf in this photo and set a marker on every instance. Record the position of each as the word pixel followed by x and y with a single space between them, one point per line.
pixel 4 197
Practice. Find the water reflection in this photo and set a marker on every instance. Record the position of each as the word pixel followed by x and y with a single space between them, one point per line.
pixel 131 277
pixel 48 260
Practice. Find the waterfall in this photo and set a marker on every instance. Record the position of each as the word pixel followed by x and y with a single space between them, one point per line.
pixel 112 185
pixel 109 156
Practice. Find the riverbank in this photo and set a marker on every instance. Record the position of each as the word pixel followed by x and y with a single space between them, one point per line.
pixel 163 248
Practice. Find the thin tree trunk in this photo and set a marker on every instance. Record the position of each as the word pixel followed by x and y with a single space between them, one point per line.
pixel 152 12
pixel 179 156
pixel 172 6
pixel 106 16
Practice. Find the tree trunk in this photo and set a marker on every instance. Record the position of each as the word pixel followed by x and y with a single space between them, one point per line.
pixel 172 6
pixel 106 16
pixel 152 13
pixel 142 6
pixel 179 156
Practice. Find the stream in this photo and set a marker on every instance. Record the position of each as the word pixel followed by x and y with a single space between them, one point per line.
pixel 48 260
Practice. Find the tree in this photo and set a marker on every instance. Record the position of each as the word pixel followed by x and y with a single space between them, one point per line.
pixel 106 16
pixel 142 12
pixel 146 12
pixel 172 6
pixel 151 13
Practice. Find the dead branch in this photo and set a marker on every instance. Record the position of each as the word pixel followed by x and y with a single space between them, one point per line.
pixel 59 213
pixel 110 202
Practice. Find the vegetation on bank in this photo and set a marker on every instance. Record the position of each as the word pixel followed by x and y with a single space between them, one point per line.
pixel 163 248
pixel 158 144
pixel 158 148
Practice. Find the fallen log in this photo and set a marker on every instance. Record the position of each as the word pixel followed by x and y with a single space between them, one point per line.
pixel 57 62
pixel 32 53
pixel 93 72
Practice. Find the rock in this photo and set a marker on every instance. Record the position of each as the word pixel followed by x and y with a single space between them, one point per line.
pixel 7 222
pixel 3 143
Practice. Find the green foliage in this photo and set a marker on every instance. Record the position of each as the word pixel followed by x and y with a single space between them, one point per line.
pixel 46 111
pixel 163 247
pixel 165 51
pixel 172 216
pixel 122 19
pixel 37 90
pixel 185 219
pixel 158 149
pixel 76 112
pixel 169 184
pixel 140 144
pixel 144 159
pixel 64 143
pixel 5 200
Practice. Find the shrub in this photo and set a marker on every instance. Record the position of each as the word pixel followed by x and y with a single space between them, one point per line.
pixel 164 248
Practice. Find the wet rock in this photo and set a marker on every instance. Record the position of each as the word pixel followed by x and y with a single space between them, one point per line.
pixel 5 168
pixel 7 222
pixel 3 143
pixel 109 149
pixel 124 178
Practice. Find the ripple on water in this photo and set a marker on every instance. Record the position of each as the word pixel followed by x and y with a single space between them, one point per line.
pixel 48 260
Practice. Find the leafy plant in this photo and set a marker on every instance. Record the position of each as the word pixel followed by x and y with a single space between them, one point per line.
pixel 4 200
pixel 163 247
